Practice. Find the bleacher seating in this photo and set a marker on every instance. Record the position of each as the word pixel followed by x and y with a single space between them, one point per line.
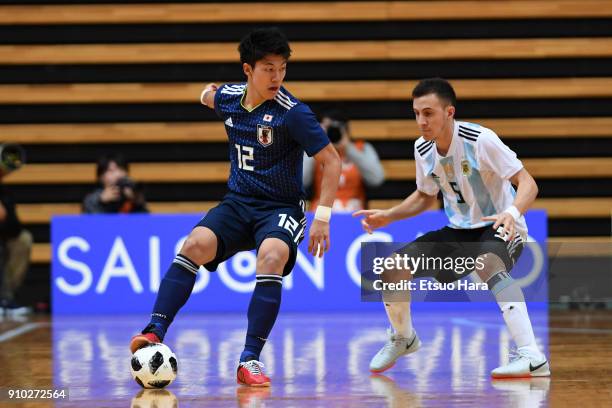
pixel 77 80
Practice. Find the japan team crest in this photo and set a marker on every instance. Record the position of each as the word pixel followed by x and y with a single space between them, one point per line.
pixel 265 135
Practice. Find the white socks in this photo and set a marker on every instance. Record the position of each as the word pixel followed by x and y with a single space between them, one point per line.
pixel 399 316
pixel 512 304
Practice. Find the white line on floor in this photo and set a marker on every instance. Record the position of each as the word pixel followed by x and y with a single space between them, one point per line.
pixel 7 335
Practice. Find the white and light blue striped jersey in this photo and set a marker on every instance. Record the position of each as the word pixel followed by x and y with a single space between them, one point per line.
pixel 473 176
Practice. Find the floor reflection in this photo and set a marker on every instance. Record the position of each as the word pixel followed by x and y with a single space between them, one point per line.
pixel 154 399
pixel 313 360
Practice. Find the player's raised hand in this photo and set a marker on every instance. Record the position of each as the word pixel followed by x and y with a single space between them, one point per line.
pixel 209 91
pixel 373 219
pixel 318 238
pixel 507 220
pixel 211 86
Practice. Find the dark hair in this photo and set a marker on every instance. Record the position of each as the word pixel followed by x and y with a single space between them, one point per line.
pixel 261 42
pixel 441 87
pixel 105 161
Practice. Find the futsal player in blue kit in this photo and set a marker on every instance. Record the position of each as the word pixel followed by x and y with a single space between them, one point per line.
pixel 268 130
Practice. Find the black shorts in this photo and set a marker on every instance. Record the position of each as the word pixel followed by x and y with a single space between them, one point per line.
pixel 242 223
pixel 454 243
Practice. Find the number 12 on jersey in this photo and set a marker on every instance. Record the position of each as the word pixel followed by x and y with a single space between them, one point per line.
pixel 245 157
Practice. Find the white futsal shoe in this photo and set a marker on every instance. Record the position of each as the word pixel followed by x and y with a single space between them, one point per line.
pixel 394 348
pixel 525 363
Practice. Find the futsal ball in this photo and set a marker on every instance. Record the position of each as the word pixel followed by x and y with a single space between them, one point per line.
pixel 154 366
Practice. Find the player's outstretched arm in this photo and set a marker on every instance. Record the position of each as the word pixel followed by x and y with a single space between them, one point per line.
pixel 414 204
pixel 329 160
pixel 527 190
pixel 526 193
pixel 207 97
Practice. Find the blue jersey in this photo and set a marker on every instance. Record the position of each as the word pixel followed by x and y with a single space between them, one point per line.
pixel 267 144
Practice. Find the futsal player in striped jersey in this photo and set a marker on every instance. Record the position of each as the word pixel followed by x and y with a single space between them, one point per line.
pixel 475 172
pixel 268 130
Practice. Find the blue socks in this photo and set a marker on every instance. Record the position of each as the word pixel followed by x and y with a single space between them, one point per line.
pixel 173 293
pixel 176 288
pixel 262 313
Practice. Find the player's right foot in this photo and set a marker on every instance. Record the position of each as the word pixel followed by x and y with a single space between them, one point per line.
pixel 526 364
pixel 148 336
pixel 394 348
pixel 251 373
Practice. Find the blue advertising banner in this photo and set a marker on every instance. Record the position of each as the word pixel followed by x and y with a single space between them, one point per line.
pixel 114 264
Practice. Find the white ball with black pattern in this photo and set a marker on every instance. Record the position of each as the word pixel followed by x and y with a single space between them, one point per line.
pixel 154 366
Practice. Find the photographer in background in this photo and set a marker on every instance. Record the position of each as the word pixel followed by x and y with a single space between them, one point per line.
pixel 15 241
pixel 361 166
pixel 118 193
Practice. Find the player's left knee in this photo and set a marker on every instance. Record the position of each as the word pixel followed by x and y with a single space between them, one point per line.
pixel 490 264
pixel 271 261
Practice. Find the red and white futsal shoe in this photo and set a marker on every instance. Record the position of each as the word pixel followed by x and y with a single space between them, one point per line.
pixel 141 340
pixel 251 373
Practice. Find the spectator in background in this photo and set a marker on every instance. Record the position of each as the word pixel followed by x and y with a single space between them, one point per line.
pixel 361 166
pixel 118 193
pixel 15 241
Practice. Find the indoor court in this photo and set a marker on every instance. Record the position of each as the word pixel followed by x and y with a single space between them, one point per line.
pixel 316 360
pixel 80 79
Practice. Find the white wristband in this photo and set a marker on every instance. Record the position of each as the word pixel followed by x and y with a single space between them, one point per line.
pixel 323 213
pixel 514 212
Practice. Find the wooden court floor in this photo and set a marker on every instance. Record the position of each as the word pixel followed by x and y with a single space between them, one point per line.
pixel 314 361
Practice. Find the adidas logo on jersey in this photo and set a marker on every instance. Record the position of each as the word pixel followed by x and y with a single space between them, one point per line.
pixel 228 122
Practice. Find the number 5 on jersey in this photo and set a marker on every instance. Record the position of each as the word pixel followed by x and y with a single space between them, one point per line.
pixel 455 188
pixel 245 157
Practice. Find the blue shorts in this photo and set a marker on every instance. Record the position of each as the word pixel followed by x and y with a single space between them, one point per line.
pixel 242 223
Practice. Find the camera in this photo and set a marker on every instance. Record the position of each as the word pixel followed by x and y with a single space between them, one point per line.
pixel 334 132
pixel 12 157
pixel 126 182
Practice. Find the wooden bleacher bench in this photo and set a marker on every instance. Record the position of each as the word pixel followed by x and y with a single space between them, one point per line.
pixel 539 168
pixel 301 12
pixel 308 91
pixel 42 213
pixel 311 51
pixel 592 207
pixel 84 173
pixel 520 128
pixel 377 129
